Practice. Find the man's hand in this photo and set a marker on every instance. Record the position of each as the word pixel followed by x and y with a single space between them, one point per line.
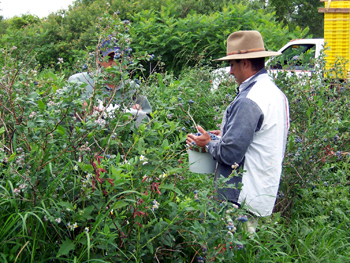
pixel 136 107
pixel 200 141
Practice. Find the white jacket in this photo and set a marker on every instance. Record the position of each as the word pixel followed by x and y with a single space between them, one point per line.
pixel 254 134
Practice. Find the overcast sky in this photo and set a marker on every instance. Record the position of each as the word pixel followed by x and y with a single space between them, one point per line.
pixel 41 8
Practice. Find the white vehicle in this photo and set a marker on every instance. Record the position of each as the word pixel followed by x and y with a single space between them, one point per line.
pixel 293 54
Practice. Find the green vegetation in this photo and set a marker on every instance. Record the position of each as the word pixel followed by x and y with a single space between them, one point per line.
pixel 78 185
pixel 181 33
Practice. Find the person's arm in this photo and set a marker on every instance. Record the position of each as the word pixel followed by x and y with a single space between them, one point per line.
pixel 144 104
pixel 244 118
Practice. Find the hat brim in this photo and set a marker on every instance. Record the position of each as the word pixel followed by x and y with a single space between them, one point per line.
pixel 110 50
pixel 259 54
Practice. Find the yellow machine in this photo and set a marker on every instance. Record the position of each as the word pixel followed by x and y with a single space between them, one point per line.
pixel 337 34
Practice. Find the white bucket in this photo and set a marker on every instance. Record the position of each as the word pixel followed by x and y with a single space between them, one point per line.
pixel 202 163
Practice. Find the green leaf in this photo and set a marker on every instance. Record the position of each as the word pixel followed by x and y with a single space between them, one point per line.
pixel 32 95
pixel 106 229
pixel 12 157
pixel 172 188
pixel 309 111
pixel 61 130
pixel 30 124
pixel 119 204
pixel 165 145
pixel 150 247
pixel 87 211
pixel 2 130
pixel 3 257
pixel 41 105
pixel 65 247
pixel 160 82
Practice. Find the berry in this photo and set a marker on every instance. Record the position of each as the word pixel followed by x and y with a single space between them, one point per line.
pixel 297 140
pixel 190 101
pixel 242 219
pixel 212 136
pixel 85 67
pixel 35 83
pixel 239 247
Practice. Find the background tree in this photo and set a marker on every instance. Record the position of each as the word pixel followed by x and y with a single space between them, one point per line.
pixel 307 15
pixel 300 13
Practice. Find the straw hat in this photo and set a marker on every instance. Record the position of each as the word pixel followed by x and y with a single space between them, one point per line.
pixel 245 45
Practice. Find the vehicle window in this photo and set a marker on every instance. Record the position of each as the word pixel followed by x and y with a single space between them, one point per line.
pixel 295 57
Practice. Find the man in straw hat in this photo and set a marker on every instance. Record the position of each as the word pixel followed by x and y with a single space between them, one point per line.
pixel 253 130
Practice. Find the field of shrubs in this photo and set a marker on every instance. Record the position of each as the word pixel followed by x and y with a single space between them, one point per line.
pixel 79 185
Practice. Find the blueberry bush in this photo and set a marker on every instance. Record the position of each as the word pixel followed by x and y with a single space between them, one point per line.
pixel 79 184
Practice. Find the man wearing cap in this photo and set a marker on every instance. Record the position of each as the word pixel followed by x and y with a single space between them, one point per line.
pixel 253 130
pixel 122 96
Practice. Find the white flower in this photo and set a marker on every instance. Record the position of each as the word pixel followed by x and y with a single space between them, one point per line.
pixel 60 61
pixel 88 177
pixel 75 168
pixel 58 220
pixel 22 186
pixel 112 212
pixel 87 229
pixel 100 122
pixel 164 175
pixel 16 191
pixel 235 165
pixel 235 206
pixel 155 205
pixel 32 115
pixel 142 157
